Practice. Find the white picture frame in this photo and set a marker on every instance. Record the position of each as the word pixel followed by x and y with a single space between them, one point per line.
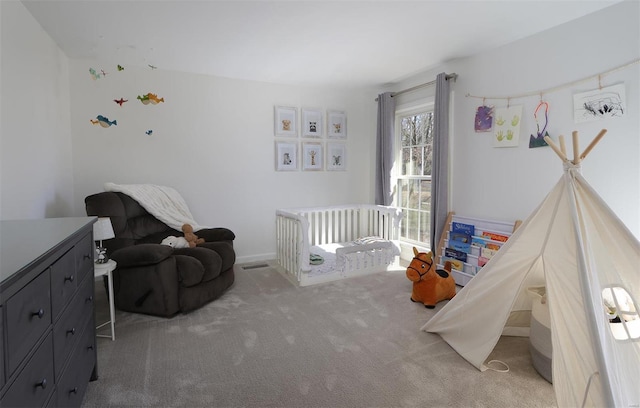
pixel 312 156
pixel 286 156
pixel 336 156
pixel 312 123
pixel 337 124
pixel 285 121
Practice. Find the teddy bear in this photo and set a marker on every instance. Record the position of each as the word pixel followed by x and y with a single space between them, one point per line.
pixel 430 285
pixel 191 238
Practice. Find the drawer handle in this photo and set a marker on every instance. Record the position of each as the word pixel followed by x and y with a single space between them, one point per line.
pixel 39 313
pixel 90 347
pixel 72 331
pixel 68 278
pixel 89 299
pixel 86 256
pixel 74 390
pixel 42 384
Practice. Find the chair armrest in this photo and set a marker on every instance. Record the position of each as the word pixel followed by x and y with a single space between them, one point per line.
pixel 140 255
pixel 216 234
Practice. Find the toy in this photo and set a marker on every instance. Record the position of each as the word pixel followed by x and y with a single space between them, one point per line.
pixel 430 285
pixel 176 242
pixel 191 238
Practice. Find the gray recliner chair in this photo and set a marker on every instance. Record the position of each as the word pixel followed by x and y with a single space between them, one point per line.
pixel 157 279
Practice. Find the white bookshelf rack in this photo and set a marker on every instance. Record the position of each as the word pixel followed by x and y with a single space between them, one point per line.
pixel 474 259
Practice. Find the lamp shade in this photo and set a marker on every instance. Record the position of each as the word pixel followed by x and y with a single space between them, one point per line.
pixel 102 229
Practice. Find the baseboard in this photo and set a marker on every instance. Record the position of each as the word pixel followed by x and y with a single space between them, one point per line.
pixel 256 258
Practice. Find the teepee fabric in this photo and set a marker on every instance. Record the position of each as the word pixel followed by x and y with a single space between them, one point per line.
pixel 575 246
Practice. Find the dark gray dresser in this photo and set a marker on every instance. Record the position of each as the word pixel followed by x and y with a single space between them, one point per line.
pixel 47 330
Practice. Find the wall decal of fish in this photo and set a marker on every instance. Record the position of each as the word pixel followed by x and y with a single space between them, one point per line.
pixel 120 67
pixel 152 66
pixel 105 122
pixel 120 101
pixel 149 132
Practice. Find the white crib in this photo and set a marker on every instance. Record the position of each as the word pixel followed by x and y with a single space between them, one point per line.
pixel 336 233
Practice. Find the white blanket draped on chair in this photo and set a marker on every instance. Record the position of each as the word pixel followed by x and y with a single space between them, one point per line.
pixel 164 203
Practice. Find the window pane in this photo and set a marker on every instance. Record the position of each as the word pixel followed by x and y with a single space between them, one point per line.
pixel 425 195
pixel 412 228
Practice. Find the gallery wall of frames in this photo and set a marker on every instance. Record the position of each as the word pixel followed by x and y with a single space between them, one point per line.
pixel 310 139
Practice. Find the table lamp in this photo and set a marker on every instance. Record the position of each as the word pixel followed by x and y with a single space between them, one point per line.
pixel 102 230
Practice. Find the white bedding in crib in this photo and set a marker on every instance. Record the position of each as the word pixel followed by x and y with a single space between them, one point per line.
pixel 333 265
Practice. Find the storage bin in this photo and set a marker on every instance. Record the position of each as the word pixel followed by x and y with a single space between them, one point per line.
pixel 540 332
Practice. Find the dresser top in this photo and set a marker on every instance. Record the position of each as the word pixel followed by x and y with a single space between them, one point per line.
pixel 26 242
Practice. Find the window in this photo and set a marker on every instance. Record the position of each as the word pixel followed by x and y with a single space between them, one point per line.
pixel 415 132
pixel 622 313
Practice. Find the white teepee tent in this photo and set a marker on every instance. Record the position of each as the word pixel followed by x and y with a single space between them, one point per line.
pixel 590 264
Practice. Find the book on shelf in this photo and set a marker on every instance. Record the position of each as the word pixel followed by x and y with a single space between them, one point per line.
pixel 460 246
pixel 468 229
pixel 460 237
pixel 487 253
pixel 494 236
pixel 455 263
pixel 455 254
pixel 482 261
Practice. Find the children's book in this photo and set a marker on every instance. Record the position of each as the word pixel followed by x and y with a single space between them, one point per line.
pixel 487 253
pixel 482 261
pixel 494 236
pixel 468 229
pixel 453 253
pixel 455 263
pixel 460 246
pixel 460 237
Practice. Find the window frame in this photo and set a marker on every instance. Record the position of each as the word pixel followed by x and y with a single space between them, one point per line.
pixel 400 112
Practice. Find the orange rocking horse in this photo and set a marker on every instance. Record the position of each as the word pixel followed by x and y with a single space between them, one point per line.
pixel 430 285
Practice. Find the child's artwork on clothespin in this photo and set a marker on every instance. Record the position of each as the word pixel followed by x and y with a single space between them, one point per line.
pixel 598 104
pixel 538 140
pixel 484 118
pixel 506 132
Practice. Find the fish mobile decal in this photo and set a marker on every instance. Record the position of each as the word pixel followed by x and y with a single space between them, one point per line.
pixel 150 98
pixel 120 67
pixel 149 132
pixel 120 101
pixel 94 74
pixel 103 121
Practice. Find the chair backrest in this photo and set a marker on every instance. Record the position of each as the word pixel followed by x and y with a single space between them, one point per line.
pixel 132 224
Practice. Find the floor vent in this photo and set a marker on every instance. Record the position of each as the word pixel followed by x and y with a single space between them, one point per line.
pixel 255 266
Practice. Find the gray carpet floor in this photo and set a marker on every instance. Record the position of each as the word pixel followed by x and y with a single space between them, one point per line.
pixel 268 343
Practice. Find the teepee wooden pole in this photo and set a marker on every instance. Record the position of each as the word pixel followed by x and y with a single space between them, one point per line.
pixel 563 147
pixel 592 144
pixel 556 149
pixel 576 149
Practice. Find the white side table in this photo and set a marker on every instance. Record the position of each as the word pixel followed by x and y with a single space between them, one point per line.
pixel 101 270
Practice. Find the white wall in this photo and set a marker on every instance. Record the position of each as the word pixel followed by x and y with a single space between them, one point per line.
pixel 36 179
pixel 213 141
pixel 508 183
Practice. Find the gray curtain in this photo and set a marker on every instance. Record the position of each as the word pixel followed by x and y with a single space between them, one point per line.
pixel 384 148
pixel 440 170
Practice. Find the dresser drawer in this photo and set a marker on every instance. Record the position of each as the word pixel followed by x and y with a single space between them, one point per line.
pixel 28 317
pixel 63 282
pixel 71 387
pixel 35 382
pixel 69 327
pixel 2 376
pixel 84 256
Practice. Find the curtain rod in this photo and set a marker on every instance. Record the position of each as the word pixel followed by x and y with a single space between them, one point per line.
pixel 413 88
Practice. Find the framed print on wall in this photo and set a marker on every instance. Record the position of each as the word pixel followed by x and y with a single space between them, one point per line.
pixel 336 156
pixel 312 156
pixel 337 124
pixel 311 123
pixel 286 121
pixel 286 156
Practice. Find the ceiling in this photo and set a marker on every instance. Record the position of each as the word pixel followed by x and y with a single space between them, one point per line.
pixel 344 43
